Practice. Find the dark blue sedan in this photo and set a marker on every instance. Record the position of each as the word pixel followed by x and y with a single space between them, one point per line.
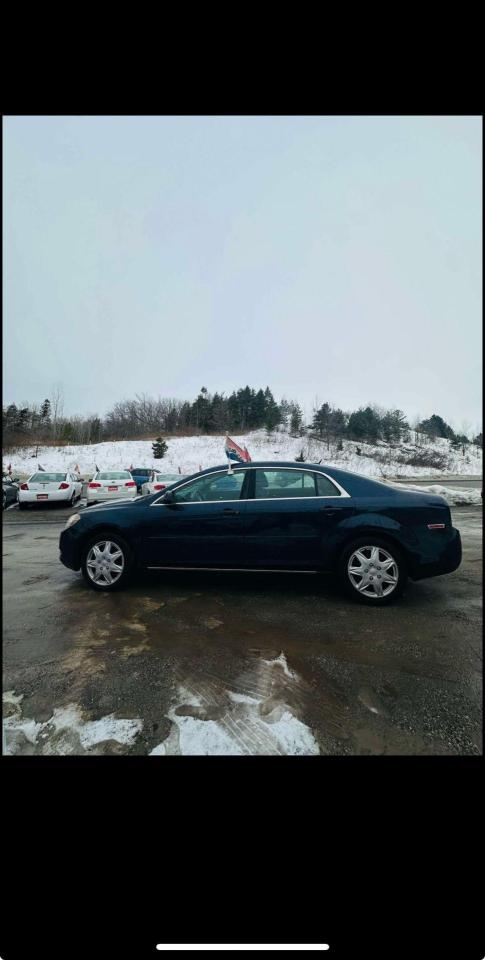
pixel 270 516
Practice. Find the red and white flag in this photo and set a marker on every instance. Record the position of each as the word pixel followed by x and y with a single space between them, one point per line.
pixel 236 453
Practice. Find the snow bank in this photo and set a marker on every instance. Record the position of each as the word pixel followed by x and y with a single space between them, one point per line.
pixel 455 498
pixel 189 454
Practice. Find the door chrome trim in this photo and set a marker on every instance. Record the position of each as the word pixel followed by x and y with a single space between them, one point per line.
pixel 235 569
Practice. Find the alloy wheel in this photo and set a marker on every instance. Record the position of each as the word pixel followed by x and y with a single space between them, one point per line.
pixel 373 571
pixel 105 563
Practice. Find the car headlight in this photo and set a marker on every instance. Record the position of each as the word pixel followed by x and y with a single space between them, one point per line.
pixel 74 519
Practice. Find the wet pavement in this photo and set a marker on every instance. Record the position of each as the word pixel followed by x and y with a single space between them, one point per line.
pixel 185 663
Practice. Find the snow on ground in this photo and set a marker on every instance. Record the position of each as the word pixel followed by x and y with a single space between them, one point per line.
pixel 189 454
pixel 455 498
pixel 66 732
pixel 245 727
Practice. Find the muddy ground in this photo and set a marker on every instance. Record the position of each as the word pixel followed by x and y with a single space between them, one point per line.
pixel 236 664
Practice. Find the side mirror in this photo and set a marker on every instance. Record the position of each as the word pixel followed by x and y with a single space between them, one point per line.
pixel 168 497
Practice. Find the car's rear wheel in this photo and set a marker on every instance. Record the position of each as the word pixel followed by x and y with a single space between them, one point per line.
pixel 70 502
pixel 107 562
pixel 373 571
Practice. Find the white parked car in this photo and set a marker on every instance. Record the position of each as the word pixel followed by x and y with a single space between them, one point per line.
pixel 50 487
pixel 158 481
pixel 111 485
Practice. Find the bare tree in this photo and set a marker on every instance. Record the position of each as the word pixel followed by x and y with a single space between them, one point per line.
pixel 57 408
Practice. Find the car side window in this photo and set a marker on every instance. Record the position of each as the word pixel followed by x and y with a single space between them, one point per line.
pixel 282 484
pixel 325 487
pixel 220 486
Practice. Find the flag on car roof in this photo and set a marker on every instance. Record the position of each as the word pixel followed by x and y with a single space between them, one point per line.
pixel 9 468
pixel 235 452
pixel 97 468
pixel 40 468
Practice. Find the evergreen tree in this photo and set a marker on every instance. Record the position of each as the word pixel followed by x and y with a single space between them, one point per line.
pixel 259 409
pixel 321 420
pixel 435 426
pixel 22 420
pixel 337 423
pixel 296 419
pixel 272 417
pixel 67 432
pixel 364 424
pixel 159 448
pixel 45 412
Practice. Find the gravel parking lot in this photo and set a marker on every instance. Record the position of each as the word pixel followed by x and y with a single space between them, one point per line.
pixel 186 663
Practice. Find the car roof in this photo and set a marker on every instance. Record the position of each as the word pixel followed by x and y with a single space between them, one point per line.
pixel 266 463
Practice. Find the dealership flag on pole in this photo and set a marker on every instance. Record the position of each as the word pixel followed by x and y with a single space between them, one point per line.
pixel 236 453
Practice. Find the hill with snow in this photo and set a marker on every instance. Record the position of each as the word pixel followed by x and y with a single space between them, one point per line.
pixel 189 454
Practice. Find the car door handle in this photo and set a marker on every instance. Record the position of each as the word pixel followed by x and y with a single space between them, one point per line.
pixel 230 513
pixel 329 511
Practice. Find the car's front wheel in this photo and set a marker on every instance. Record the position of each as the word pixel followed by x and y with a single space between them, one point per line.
pixel 107 562
pixel 373 571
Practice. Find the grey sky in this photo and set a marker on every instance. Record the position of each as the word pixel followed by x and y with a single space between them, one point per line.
pixel 336 258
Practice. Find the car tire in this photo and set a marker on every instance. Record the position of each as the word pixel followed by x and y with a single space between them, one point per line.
pixel 117 545
pixel 363 587
pixel 70 503
pixel 4 500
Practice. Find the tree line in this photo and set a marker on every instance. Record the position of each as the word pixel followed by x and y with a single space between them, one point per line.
pixel 243 410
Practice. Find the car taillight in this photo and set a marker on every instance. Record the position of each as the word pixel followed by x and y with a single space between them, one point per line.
pixel 159 486
pixel 63 486
pixel 130 483
pixel 24 486
pixel 93 485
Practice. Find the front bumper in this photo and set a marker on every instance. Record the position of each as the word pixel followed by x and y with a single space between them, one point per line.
pixel 70 550
pixel 449 559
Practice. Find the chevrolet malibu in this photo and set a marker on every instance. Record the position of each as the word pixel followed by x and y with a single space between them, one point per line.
pixel 270 516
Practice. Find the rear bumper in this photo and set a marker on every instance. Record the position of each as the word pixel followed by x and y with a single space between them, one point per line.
pixel 54 496
pixel 93 497
pixel 448 560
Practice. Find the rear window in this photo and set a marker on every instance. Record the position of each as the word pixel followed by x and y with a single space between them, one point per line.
pixel 325 487
pixel 47 477
pixel 167 477
pixel 140 472
pixel 114 475
pixel 283 484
